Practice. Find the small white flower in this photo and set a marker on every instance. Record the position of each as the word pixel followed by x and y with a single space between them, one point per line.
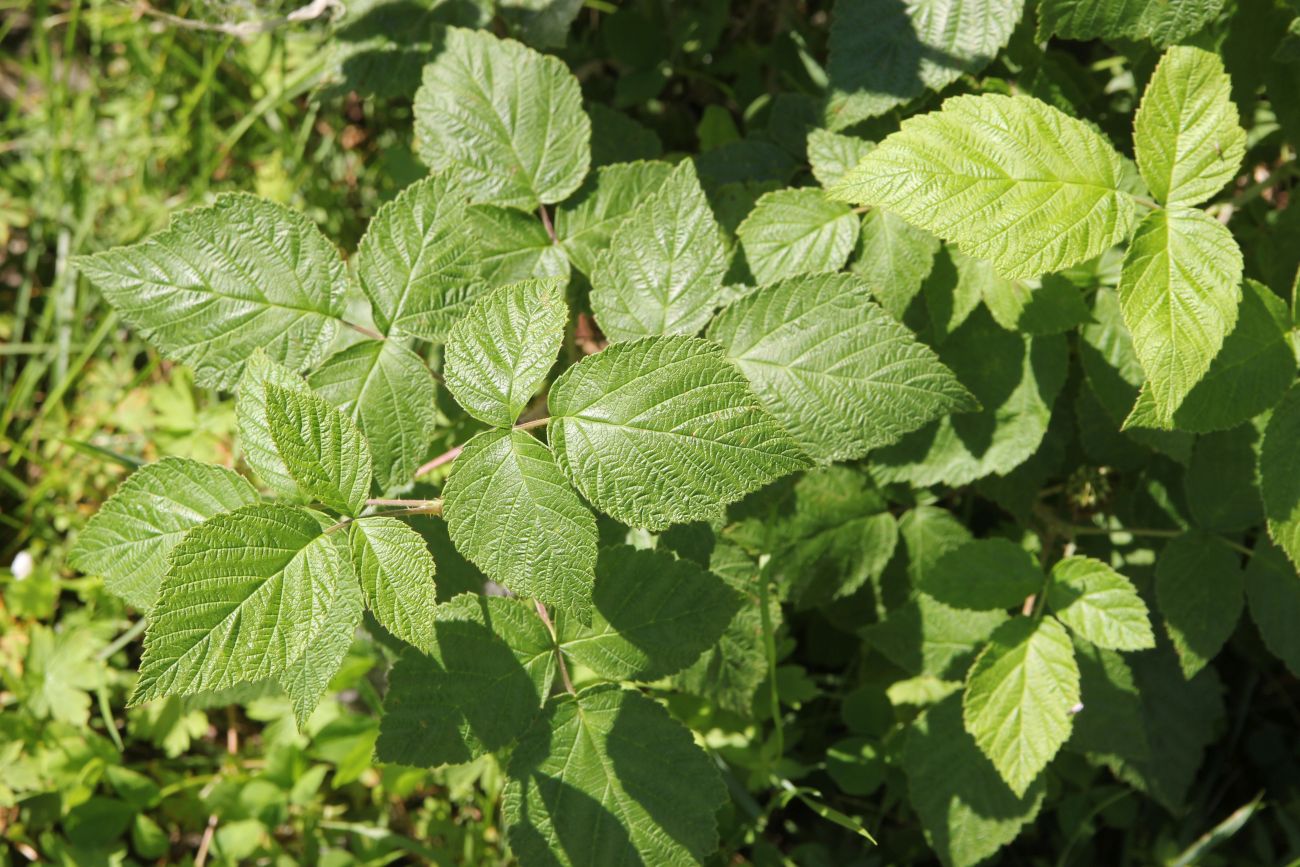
pixel 22 566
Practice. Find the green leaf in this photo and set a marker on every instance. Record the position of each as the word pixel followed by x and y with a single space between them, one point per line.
pixel 511 513
pixel 1020 698
pixel 966 810
pixel 835 369
pixel 514 245
pixel 417 262
pixel 885 53
pixel 224 280
pixel 833 154
pixel 1199 589
pixel 396 572
pixel 322 449
pixel 793 232
pixel 332 621
pixel 1273 590
pixel 1111 726
pixel 662 272
pixel 1008 178
pixel 541 23
pixel 929 533
pixel 654 615
pixel 1179 292
pixel 389 392
pixel 500 353
pixel 244 593
pixel 1099 604
pixel 255 438
pixel 1186 135
pixel 984 575
pixel 894 257
pixel 1159 22
pixel 924 636
pixel 505 122
pixel 1279 474
pixel 129 539
pixel 1054 307
pixel 482 684
pixel 587 221
pixel 590 784
pixel 1221 484
pixel 663 431
pixel 953 289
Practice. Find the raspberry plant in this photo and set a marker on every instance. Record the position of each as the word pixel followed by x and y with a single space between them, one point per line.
pixel 791 397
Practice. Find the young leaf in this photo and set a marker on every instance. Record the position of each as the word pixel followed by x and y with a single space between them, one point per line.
pixel 663 431
pixel 244 592
pixel 487 672
pixel 608 777
pixel 499 354
pixel 396 572
pixel 511 513
pixel 836 370
pixel 793 232
pixel 1019 698
pixel 417 263
pixel 129 539
pixel 1099 604
pixel 1279 474
pixel 1179 292
pixel 662 272
pixel 1186 135
pixel 832 154
pixel 587 222
pixel 1009 178
pixel 894 258
pixel 653 615
pixel 1199 589
pixel 985 575
pixel 505 122
pixel 225 280
pixel 255 438
pixel 513 245
pixel 322 449
pixel 1273 590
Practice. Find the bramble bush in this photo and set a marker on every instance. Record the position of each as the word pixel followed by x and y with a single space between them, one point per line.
pixel 903 462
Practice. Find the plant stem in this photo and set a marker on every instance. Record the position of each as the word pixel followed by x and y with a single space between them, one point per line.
pixel 124 639
pixel 559 655
pixel 368 332
pixel 529 425
pixel 769 647
pixel 1154 533
pixel 444 458
pixel 1150 203
pixel 546 221
pixel 413 507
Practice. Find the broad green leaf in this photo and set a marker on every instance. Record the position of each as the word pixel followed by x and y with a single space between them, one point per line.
pixel 617 138
pixel 662 272
pixel 511 513
pixel 396 572
pixel 255 439
pixel 1186 134
pixel 322 449
pixel 884 53
pixel 1199 589
pixel 417 262
pixel 984 575
pixel 966 810
pixel 1111 726
pixel 513 245
pixel 57 675
pixel 587 221
pixel 953 289
pixel 663 431
pixel 929 533
pixel 832 154
pixel 389 392
pixel 487 672
pixel 894 257
pixel 1221 484
pixel 129 539
pixel 244 593
pixel 1054 307
pixel 793 232
pixel 500 353
pixel 540 23
pixel 1160 22
pixel 331 623
pixel 924 636
pixel 1279 474
pixel 608 777
pixel 1273 590
pixel 1179 292
pixel 505 122
pixel 1008 178
pixel 224 280
pixel 835 369
pixel 1099 604
pixel 653 615
pixel 1020 698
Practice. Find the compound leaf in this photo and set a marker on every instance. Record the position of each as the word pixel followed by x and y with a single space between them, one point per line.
pixel 793 232
pixel 322 449
pixel 396 572
pixel 1099 604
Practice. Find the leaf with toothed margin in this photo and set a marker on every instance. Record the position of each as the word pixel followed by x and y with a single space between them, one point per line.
pixel 396 572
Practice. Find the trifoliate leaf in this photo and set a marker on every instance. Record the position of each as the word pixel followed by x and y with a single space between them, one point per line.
pixel 396 572
pixel 331 624
pixel 1099 604
pixel 883 53
pixel 662 272
pixel 488 671
pixel 1273 590
pixel 924 636
pixel 984 575
pixel 244 592
pixel 1008 178
pixel 322 449
pixel 500 353
pixel 653 615
pixel 503 121
pixel 1020 698
pixel 1199 589
pixel 128 540
pixel 587 221
pixel 255 439
pixel 224 280
pixel 835 369
pixel 1160 22
pixel 389 392
pixel 513 245
pixel 1179 292
pixel 511 513
pixel 833 154
pixel 608 777
pixel 792 232
pixel 894 257
pixel 1186 134
pixel 663 431
pixel 417 261
pixel 1279 474
pixel 1220 483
